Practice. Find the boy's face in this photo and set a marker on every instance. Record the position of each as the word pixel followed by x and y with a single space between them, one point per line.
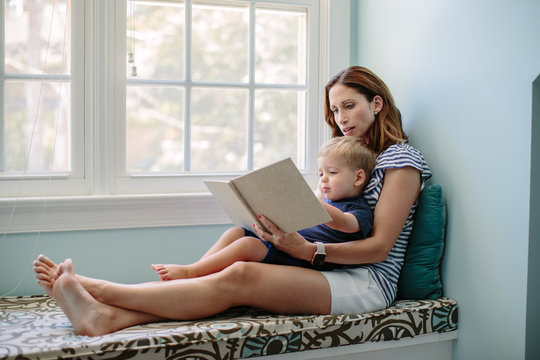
pixel 337 180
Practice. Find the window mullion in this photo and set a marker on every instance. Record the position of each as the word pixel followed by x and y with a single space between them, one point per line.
pixel 187 91
pixel 251 102
pixel 102 81
pixel 2 80
pixel 79 152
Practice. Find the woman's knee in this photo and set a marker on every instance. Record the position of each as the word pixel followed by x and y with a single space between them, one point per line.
pixel 240 274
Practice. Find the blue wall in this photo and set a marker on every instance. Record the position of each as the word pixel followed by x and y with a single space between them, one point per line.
pixel 461 72
pixel 116 255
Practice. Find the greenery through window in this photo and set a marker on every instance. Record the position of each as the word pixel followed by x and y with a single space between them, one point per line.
pixel 36 85
pixel 153 96
pixel 219 87
pixel 214 85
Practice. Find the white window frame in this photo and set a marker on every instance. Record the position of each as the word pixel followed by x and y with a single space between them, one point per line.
pixel 125 183
pixel 74 182
pixel 110 206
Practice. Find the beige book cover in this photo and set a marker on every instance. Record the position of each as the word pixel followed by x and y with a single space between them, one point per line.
pixel 277 191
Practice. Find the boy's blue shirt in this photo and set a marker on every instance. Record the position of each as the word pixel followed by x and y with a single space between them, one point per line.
pixel 357 206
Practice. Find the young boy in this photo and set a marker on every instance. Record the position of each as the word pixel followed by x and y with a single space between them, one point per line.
pixel 344 166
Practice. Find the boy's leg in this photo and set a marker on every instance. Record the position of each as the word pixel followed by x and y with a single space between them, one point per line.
pixel 173 271
pixel 244 249
pixel 227 238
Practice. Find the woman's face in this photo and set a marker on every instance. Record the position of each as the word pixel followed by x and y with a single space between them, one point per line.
pixel 353 113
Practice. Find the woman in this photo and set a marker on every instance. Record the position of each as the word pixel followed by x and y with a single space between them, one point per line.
pixel 357 103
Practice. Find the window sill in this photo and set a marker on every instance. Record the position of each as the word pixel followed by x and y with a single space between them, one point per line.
pixel 108 212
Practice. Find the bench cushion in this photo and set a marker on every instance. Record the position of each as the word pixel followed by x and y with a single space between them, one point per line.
pixel 34 327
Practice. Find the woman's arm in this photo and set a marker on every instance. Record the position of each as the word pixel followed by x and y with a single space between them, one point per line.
pixel 400 191
pixel 341 221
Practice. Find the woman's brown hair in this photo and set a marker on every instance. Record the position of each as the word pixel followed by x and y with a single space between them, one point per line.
pixel 387 128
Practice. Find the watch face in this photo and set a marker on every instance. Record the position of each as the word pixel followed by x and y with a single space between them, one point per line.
pixel 318 259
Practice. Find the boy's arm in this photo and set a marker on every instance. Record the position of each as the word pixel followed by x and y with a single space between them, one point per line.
pixel 341 221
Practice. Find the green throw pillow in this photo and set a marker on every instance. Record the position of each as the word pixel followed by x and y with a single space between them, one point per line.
pixel 420 276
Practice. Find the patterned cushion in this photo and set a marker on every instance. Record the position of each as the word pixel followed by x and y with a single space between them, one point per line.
pixel 34 327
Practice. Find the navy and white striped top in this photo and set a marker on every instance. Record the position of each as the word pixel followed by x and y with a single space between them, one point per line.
pixel 386 273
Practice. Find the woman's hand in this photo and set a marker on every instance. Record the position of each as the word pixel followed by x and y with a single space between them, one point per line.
pixel 291 243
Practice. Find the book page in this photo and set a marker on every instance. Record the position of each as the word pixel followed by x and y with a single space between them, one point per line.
pixel 280 192
pixel 232 203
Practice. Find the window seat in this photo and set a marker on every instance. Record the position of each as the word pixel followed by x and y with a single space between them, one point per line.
pixel 34 327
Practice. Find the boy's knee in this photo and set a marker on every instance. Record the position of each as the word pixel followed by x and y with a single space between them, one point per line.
pixel 236 232
pixel 251 241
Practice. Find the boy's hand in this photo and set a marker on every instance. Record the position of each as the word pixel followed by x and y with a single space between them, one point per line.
pixel 291 243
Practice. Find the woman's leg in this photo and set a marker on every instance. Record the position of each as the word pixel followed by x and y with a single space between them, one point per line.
pixel 46 272
pixel 244 249
pixel 276 288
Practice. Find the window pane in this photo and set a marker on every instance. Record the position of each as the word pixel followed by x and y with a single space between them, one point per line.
pixel 280 46
pixel 37 36
pixel 154 129
pixel 219 136
pixel 37 127
pixel 155 37
pixel 278 116
pixel 220 43
pixel 219 129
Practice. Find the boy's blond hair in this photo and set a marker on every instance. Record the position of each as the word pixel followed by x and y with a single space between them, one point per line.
pixel 353 150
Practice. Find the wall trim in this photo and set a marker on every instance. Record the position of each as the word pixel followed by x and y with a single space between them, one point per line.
pixel 108 212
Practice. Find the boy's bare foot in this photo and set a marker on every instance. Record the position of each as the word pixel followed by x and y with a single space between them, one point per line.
pixel 172 271
pixel 46 273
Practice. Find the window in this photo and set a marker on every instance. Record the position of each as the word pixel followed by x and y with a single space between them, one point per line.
pixel 211 89
pixel 41 91
pixel 215 88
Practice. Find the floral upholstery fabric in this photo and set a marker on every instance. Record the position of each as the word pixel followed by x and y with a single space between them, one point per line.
pixel 34 327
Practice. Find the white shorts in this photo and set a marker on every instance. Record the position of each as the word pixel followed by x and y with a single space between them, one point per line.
pixel 354 291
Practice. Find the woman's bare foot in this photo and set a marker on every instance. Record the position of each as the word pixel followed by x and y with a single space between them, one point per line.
pixel 87 315
pixel 172 271
pixel 46 273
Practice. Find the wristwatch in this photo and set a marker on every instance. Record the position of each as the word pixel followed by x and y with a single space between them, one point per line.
pixel 320 255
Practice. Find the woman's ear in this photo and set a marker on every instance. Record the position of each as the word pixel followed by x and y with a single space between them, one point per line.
pixel 378 104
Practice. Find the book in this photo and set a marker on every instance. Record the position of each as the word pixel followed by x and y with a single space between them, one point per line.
pixel 277 191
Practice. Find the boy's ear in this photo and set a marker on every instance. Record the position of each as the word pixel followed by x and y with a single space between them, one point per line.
pixel 360 177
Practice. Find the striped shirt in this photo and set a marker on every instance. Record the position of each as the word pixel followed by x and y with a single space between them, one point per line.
pixel 386 273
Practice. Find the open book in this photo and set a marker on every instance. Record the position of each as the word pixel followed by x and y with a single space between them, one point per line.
pixel 277 191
